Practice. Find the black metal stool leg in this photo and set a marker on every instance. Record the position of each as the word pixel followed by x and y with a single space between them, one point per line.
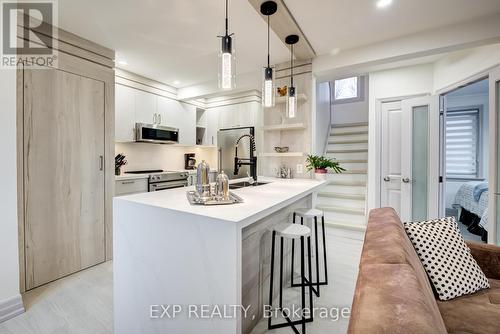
pixel 271 278
pixel 317 253
pixel 303 288
pixel 293 251
pixel 324 248
pixel 311 290
pixel 281 274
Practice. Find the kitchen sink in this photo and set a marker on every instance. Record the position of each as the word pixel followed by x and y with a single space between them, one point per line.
pixel 244 184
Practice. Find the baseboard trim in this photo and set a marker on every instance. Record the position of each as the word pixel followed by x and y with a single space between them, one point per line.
pixel 11 307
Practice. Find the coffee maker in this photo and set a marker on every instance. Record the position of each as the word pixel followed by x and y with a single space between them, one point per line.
pixel 189 161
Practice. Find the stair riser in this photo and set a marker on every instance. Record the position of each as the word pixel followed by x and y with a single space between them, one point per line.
pixel 345 217
pixel 348 137
pixel 348 177
pixel 354 166
pixel 350 129
pixel 345 190
pixel 355 146
pixel 345 203
pixel 343 156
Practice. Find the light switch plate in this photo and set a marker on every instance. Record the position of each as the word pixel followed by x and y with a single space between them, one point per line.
pixel 300 169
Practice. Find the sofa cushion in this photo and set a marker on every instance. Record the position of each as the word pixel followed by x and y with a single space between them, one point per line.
pixel 477 313
pixel 389 299
pixel 446 258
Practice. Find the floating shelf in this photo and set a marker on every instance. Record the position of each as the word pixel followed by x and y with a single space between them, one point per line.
pixel 285 127
pixel 282 99
pixel 287 154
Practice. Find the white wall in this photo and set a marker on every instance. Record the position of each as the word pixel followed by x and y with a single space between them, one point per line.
pixel 354 112
pixel 9 258
pixel 460 66
pixel 322 116
pixel 141 156
pixel 401 82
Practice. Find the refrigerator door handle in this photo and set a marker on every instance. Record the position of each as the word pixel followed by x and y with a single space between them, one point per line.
pixel 220 160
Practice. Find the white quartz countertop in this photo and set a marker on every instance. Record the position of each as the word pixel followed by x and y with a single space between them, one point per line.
pixel 259 201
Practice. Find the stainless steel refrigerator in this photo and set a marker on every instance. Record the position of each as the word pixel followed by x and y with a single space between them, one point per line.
pixel 226 141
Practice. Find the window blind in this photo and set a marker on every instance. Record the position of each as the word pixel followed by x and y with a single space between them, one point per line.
pixel 462 142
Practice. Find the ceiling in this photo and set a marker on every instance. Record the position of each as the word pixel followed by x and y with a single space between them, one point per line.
pixel 335 25
pixel 477 88
pixel 175 40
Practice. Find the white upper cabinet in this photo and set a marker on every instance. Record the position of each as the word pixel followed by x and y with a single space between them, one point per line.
pixel 145 107
pixel 178 115
pixel 125 114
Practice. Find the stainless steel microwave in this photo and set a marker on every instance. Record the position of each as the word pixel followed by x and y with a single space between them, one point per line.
pixel 153 133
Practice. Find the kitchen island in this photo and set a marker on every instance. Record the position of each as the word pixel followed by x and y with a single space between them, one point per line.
pixel 180 268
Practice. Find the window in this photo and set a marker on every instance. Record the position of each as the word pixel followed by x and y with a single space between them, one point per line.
pixel 348 90
pixel 462 144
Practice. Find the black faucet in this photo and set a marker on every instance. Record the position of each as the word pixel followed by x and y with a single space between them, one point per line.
pixel 251 161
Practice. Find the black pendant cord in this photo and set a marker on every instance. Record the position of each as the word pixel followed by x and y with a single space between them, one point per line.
pixel 291 67
pixel 268 43
pixel 227 20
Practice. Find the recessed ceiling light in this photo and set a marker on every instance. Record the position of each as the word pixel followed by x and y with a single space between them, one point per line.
pixel 122 62
pixel 177 82
pixel 383 3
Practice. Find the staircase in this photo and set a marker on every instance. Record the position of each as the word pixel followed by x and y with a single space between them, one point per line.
pixel 344 199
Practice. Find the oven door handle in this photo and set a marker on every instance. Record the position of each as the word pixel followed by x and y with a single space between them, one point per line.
pixel 167 185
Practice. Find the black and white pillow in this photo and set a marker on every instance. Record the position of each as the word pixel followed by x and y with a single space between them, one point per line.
pixel 446 258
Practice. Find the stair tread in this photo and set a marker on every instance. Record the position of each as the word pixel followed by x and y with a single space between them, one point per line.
pixel 348 151
pixel 342 195
pixel 350 133
pixel 341 209
pixel 348 183
pixel 343 142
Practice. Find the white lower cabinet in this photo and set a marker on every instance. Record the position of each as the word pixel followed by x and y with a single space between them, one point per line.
pixel 128 187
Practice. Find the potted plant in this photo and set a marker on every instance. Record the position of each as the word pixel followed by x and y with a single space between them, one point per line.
pixel 320 164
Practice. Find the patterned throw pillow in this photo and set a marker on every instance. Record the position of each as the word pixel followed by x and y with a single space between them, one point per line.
pixel 446 258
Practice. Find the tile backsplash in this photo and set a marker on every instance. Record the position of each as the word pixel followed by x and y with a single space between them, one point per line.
pixel 141 156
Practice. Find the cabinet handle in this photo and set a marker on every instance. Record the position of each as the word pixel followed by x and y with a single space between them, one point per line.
pixel 155 118
pixel 128 182
pixel 159 118
pixel 101 163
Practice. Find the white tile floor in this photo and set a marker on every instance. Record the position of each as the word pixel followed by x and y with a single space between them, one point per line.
pixel 83 303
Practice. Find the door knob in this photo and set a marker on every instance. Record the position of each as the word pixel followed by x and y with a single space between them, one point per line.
pixel 406 180
pixel 387 179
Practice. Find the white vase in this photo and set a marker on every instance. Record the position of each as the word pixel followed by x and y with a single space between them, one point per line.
pixel 320 176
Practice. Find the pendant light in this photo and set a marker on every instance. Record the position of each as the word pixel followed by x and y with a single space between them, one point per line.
pixel 291 101
pixel 226 58
pixel 268 8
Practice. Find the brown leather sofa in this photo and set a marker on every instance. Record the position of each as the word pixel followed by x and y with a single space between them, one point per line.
pixel 394 295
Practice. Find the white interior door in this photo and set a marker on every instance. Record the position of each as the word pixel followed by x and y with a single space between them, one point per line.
pixel 494 166
pixel 391 156
pixel 420 158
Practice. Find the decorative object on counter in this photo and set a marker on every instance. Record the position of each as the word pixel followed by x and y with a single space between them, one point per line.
pixel 189 161
pixel 203 180
pixel 226 57
pixel 195 199
pixel 281 149
pixel 291 101
pixel 119 163
pixel 284 172
pixel 268 8
pixel 320 164
pixel 282 91
pixel 222 186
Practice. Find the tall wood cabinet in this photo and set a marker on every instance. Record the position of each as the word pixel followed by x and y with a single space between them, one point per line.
pixel 66 146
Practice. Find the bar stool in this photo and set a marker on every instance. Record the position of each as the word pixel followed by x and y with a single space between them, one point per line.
pixel 291 231
pixel 313 214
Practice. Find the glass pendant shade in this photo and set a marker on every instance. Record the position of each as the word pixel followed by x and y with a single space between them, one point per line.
pixel 291 103
pixel 268 99
pixel 227 74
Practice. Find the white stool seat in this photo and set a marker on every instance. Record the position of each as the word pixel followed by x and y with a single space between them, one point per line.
pixel 292 231
pixel 308 213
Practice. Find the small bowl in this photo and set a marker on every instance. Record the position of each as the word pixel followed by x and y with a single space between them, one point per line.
pixel 281 149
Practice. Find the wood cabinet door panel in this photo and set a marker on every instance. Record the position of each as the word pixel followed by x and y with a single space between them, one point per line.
pixel 63 174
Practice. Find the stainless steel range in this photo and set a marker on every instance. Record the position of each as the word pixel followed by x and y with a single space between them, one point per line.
pixel 161 180
pixel 168 180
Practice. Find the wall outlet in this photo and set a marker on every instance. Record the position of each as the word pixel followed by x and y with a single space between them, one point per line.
pixel 300 169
